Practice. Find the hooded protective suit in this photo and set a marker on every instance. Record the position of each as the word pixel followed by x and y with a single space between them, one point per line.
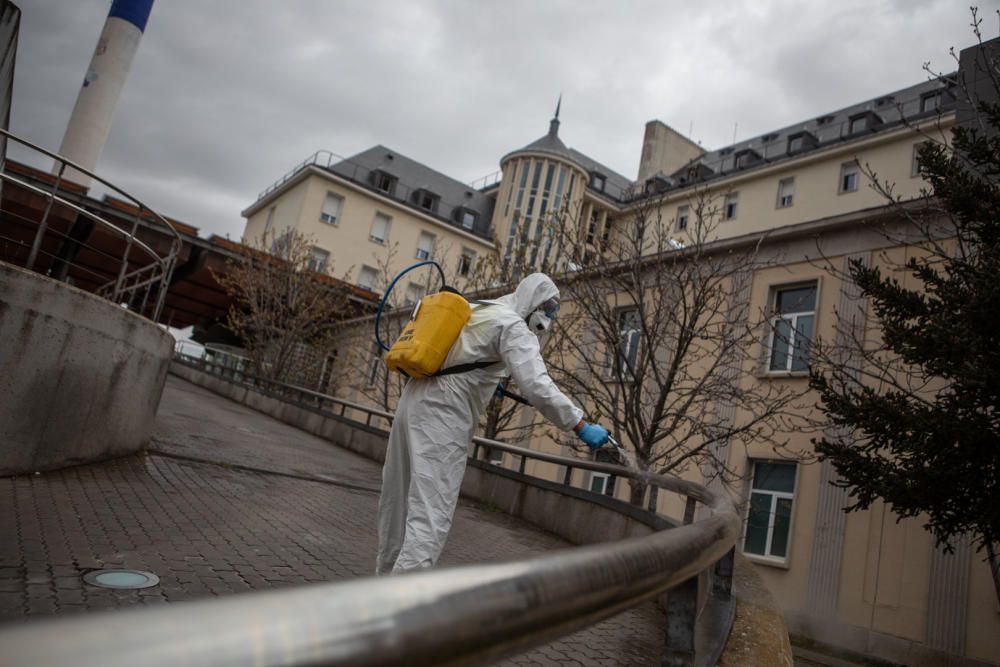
pixel 437 416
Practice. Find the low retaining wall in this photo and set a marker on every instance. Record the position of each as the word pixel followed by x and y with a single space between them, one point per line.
pixel 80 378
pixel 575 515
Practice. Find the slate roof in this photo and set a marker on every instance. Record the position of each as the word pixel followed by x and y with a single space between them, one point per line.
pixel 615 184
pixel 413 176
pixel 883 113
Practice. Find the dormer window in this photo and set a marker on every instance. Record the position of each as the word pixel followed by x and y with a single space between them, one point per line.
pixel 383 181
pixel 745 158
pixel 864 122
pixel 466 217
pixel 930 101
pixel 426 200
pixel 597 181
pixel 801 141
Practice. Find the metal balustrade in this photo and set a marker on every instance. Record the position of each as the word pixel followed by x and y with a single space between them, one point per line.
pixel 117 265
pixel 468 615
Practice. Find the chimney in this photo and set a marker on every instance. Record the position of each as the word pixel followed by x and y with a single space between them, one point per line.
pixel 90 122
pixel 665 150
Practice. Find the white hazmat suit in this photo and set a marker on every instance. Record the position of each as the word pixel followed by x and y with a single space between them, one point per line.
pixel 437 416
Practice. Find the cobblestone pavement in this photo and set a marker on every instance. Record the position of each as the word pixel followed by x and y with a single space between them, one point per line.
pixel 211 529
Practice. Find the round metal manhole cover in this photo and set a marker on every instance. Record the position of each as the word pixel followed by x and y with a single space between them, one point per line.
pixel 121 579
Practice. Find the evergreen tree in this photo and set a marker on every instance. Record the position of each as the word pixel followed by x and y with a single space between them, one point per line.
pixel 920 410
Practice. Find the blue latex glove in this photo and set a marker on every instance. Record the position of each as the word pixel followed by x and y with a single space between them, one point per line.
pixel 594 435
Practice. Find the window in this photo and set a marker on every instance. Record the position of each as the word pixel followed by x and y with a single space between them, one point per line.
pixel 602 482
pixel 745 158
pixel 794 311
pixel 375 366
pixel 800 141
pixel 367 277
pixel 317 260
pixel 859 124
pixel 930 101
pixel 786 192
pixel 769 512
pixel 414 293
pixel 682 217
pixel 848 177
pixel 468 218
pixel 326 374
pixel 629 335
pixel 915 161
pixel 729 208
pixel 597 181
pixel 425 245
pixel 426 200
pixel 331 208
pixel 466 262
pixel 281 244
pixel 270 220
pixel 380 228
pixel 383 181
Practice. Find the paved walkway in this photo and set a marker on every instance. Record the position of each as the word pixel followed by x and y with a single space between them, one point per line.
pixel 229 500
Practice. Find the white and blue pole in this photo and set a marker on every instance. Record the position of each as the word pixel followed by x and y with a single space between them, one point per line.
pixel 90 122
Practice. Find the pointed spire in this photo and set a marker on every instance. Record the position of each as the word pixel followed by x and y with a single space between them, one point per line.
pixel 554 123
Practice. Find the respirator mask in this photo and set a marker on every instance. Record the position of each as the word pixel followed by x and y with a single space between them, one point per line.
pixel 541 319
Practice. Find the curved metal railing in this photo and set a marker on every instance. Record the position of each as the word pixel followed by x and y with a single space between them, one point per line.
pixel 469 615
pixel 117 266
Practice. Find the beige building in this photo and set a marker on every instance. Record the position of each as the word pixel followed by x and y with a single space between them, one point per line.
pixel 861 581
pixel 374 214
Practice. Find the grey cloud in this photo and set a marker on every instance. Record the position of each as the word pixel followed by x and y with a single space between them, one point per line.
pixel 225 97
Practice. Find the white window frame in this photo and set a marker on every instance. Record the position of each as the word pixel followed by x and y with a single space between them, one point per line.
pixel 766 557
pixel 786 200
pixel 330 218
pixel 374 274
pixel 422 253
pixel 388 223
pixel 310 264
pixel 848 169
pixel 471 214
pixel 471 255
pixel 414 293
pixel 732 199
pixel 914 161
pixel 792 343
pixel 683 216
pixel 603 478
pixel 634 339
pixel 269 223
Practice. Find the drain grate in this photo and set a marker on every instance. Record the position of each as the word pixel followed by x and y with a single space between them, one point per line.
pixel 129 579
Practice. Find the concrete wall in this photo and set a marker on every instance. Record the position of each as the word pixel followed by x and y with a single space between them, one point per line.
pixel 80 378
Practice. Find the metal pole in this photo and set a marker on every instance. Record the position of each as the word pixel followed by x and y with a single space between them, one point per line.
pixel 128 249
pixel 43 225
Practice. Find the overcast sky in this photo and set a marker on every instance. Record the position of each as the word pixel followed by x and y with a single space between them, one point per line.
pixel 226 96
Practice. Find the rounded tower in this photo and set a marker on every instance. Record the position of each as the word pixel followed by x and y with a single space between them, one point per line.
pixel 541 193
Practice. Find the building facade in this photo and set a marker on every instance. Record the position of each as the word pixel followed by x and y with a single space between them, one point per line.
pixel 817 190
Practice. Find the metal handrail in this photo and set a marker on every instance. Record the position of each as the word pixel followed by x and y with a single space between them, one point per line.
pixel 468 615
pixel 126 287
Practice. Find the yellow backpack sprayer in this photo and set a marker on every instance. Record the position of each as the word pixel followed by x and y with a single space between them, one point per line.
pixel 434 326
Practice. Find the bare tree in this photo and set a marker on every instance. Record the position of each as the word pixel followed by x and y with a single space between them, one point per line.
pixel 653 338
pixel 285 304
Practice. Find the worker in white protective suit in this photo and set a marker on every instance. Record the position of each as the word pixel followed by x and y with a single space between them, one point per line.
pixel 437 416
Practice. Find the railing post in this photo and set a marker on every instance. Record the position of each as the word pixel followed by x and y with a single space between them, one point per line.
pixel 678 645
pixel 568 477
pixel 43 225
pixel 520 467
pixel 654 494
pixel 689 507
pixel 722 581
